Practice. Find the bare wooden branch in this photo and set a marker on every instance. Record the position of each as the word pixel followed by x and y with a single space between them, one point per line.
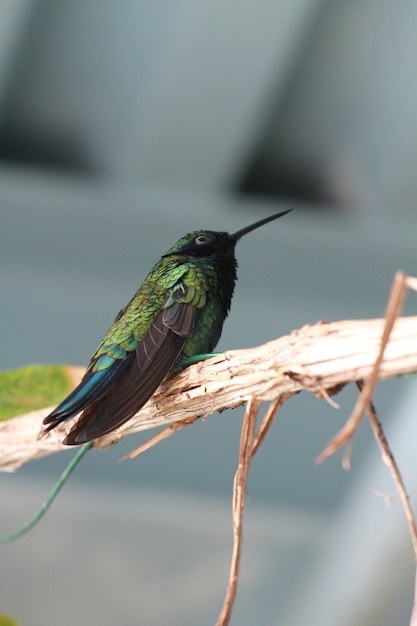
pixel 319 358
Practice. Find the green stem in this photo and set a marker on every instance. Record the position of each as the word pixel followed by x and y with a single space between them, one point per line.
pixel 51 497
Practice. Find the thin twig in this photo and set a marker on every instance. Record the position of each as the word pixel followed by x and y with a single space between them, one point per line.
pixel 266 423
pixel 166 433
pixel 239 488
pixel 393 309
pixel 389 460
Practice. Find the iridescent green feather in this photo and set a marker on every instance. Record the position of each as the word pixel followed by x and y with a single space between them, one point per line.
pixel 167 283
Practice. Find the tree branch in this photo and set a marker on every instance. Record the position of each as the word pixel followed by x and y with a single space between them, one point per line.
pixel 319 358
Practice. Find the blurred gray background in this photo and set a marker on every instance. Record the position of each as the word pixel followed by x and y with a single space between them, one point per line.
pixel 122 127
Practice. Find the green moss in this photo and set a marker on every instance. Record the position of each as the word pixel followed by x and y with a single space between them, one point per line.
pixel 32 387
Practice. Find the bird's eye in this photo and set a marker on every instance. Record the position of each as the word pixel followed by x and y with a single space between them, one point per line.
pixel 202 240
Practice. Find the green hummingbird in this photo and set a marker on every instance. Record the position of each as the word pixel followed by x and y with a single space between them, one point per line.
pixel 177 313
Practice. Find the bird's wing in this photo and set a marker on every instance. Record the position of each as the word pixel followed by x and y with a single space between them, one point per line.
pixel 110 397
pixel 92 386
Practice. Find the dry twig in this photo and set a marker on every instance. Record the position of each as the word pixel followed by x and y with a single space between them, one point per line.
pixel 238 505
pixel 389 460
pixel 394 307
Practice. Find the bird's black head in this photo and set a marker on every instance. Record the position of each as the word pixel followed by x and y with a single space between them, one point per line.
pixel 210 243
pixel 214 254
pixel 203 244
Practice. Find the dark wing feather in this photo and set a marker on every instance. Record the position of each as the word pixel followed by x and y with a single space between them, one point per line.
pixel 92 386
pixel 144 370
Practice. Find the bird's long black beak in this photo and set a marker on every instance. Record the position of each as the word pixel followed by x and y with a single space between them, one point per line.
pixel 243 231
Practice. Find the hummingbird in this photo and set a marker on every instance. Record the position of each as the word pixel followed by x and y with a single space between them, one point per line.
pixel 177 313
